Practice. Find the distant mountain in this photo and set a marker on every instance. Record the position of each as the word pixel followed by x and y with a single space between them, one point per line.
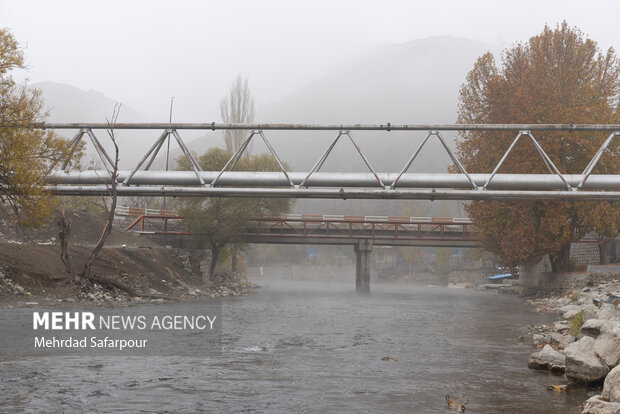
pixel 66 103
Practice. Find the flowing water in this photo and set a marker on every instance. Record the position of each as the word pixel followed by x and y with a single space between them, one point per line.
pixel 317 348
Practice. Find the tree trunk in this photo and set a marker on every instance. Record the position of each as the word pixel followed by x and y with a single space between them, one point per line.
pixel 215 251
pixel 560 261
pixel 233 260
pixel 64 232
pixel 86 272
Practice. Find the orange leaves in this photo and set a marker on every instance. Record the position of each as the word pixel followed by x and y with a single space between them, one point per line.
pixel 557 76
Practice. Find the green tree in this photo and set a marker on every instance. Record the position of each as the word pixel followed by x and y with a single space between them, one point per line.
pixel 219 221
pixel 558 76
pixel 25 153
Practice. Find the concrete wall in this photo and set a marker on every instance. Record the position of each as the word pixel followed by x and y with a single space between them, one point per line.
pixel 585 253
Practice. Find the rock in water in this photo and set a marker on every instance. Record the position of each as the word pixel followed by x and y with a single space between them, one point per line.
pixel 547 359
pixel 597 405
pixel 582 363
pixel 611 388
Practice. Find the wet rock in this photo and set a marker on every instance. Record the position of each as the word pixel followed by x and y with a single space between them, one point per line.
pixel 561 341
pixel 582 363
pixel 597 405
pixel 548 359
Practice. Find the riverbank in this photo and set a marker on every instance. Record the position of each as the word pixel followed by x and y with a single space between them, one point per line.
pixel 33 274
pixel 584 344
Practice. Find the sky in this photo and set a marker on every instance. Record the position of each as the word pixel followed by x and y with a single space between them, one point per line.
pixel 142 53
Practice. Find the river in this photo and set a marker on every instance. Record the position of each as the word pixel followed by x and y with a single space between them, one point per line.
pixel 316 348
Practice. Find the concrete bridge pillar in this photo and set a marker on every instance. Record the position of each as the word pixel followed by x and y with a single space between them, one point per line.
pixel 362 266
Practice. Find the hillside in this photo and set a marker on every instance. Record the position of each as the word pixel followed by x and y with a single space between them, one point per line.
pixel 67 103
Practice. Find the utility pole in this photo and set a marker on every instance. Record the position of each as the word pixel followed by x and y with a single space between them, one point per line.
pixel 168 146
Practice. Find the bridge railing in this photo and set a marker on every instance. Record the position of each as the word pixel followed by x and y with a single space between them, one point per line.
pixel 364 227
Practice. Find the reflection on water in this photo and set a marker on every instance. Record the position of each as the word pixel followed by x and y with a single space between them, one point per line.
pixel 317 347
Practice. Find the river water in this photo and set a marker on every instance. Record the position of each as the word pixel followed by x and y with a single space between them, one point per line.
pixel 316 348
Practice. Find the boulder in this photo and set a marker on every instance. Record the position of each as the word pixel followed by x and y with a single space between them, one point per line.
pixel 548 359
pixel 606 311
pixel 562 341
pixel 569 311
pixel 611 388
pixel 589 312
pixel 607 345
pixel 582 363
pixel 538 339
pixel 597 405
pixel 560 326
pixel 593 327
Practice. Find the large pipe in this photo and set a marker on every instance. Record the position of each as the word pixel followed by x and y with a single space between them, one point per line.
pixel 344 179
pixel 335 193
pixel 344 127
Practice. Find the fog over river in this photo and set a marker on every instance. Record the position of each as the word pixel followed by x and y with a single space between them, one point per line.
pixel 317 348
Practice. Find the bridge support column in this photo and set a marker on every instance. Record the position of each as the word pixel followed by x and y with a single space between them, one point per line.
pixel 362 266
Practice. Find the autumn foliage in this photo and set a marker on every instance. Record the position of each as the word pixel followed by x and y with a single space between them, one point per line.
pixel 558 76
pixel 25 153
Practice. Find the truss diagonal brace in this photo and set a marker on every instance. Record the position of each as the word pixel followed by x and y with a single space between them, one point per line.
pixel 548 163
pixel 101 151
pixel 276 158
pixel 153 150
pixel 317 166
pixel 234 159
pixel 455 160
pixel 72 146
pixel 410 161
pixel 592 164
pixel 188 155
pixel 548 160
pixel 365 160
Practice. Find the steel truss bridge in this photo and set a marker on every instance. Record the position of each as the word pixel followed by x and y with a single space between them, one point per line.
pixel 397 184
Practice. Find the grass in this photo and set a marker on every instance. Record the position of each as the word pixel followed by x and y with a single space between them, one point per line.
pixel 574 297
pixel 575 324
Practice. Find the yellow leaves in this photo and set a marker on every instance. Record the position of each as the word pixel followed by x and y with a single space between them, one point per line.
pixel 25 153
pixel 556 388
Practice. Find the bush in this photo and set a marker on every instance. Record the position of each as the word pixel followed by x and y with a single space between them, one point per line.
pixel 575 324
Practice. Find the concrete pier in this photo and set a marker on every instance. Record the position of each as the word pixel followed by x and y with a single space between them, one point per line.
pixel 362 266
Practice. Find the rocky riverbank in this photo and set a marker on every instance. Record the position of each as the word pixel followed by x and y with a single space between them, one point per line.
pixel 584 344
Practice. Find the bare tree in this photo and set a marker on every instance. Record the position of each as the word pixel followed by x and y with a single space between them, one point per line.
pixel 64 231
pixel 86 272
pixel 237 107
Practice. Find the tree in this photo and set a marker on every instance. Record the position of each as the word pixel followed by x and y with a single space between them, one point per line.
pixel 558 76
pixel 219 222
pixel 26 153
pixel 237 107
